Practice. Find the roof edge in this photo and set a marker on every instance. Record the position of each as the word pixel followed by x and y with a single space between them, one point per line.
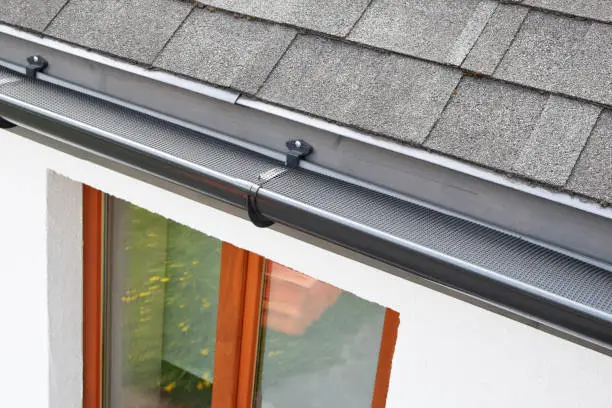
pixel 132 68
pixel 420 153
pixel 446 184
pixel 282 199
pixel 235 97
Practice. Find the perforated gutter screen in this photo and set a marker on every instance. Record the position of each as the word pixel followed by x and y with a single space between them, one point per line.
pixel 473 258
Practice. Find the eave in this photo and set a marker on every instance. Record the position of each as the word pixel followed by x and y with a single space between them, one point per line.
pixel 576 234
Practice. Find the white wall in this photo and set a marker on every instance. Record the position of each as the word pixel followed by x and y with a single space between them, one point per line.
pixel 64 290
pixel 449 353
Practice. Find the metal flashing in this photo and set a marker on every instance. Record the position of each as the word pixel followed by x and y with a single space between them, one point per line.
pixel 427 156
pixel 553 219
pixel 42 42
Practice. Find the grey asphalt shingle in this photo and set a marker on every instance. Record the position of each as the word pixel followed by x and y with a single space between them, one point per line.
pixel 134 29
pixel 227 51
pixel 592 175
pixel 589 74
pixel 437 30
pixel 329 16
pixel 384 93
pixel 487 122
pixel 495 39
pixel 28 13
pixel 595 9
pixel 561 54
pixel 471 32
pixel 557 140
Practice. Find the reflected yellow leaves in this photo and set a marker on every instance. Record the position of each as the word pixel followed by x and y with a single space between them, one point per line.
pixel 200 385
pixel 170 386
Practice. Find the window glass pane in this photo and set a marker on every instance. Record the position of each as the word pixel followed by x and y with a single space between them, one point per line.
pixel 319 345
pixel 164 283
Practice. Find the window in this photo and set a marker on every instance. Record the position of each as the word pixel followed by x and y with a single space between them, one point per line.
pixel 319 346
pixel 176 318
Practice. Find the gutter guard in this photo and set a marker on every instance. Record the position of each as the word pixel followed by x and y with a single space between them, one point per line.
pixel 475 259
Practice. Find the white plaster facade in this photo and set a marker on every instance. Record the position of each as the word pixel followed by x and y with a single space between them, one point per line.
pixel 449 353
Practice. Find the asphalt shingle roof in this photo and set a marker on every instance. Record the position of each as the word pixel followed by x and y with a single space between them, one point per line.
pixel 127 28
pixel 30 14
pixel 231 52
pixel 438 30
pixel 556 140
pixel 522 87
pixel 334 17
pixel 593 173
pixel 364 88
pixel 562 54
pixel 495 39
pixel 593 9
pixel 487 122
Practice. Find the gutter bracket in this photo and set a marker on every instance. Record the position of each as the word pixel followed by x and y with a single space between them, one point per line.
pixel 254 215
pixel 298 149
pixel 251 199
pixel 36 64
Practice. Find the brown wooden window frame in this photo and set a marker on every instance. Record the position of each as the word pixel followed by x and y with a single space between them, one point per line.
pixel 239 320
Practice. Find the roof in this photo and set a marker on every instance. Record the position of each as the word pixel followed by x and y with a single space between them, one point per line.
pixel 521 87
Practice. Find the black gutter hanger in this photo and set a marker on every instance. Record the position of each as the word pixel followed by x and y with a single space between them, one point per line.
pixel 298 150
pixel 36 64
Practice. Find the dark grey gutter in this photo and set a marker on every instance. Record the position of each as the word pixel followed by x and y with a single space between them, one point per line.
pixel 536 281
pixel 548 218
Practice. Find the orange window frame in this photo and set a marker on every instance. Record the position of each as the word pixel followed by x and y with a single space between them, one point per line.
pixel 92 296
pixel 239 320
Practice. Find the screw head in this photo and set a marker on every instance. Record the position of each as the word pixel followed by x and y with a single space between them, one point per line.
pixel 298 144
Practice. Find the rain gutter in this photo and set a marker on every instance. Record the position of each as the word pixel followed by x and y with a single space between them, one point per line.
pixel 553 219
pixel 447 222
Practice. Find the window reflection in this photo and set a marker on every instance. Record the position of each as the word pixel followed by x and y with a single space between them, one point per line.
pixel 164 293
pixel 319 345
